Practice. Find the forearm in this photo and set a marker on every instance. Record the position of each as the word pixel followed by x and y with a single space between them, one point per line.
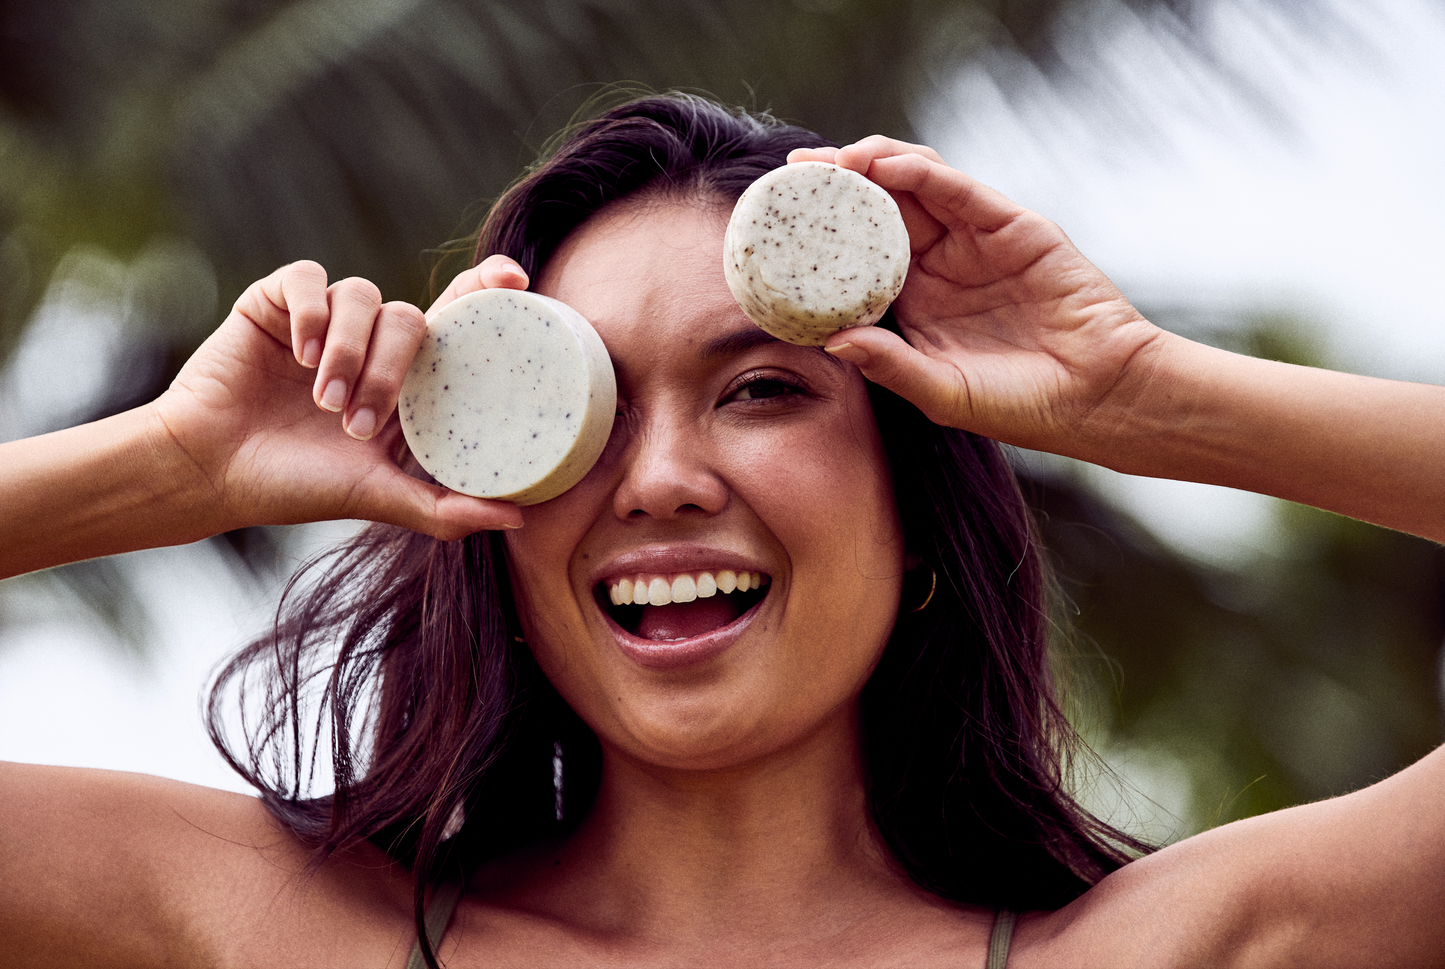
pixel 1368 448
pixel 111 486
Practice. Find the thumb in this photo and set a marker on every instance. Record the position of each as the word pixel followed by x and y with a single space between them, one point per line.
pixel 494 272
pixel 433 510
pixel 933 386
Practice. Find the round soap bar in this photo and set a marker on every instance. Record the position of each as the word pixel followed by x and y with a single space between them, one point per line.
pixel 511 396
pixel 811 249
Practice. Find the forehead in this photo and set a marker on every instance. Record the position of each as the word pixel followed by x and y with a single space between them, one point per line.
pixel 650 263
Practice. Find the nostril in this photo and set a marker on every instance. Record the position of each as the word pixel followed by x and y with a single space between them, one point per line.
pixel 681 509
pixel 666 479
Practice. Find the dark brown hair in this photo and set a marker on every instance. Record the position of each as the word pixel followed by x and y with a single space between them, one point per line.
pixel 403 653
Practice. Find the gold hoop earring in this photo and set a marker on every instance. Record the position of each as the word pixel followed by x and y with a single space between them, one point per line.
pixel 932 588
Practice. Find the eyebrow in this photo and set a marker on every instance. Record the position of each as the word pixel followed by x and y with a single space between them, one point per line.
pixel 741 341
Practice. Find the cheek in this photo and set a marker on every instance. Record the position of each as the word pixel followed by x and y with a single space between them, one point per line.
pixel 828 497
pixel 538 561
pixel 551 618
pixel 542 557
pixel 553 531
pixel 829 485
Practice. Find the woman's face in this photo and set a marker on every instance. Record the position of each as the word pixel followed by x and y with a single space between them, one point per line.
pixel 731 453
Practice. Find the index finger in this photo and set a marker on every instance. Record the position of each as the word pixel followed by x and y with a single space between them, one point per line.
pixel 288 305
pixel 933 197
pixel 948 195
pixel 859 155
pixel 494 272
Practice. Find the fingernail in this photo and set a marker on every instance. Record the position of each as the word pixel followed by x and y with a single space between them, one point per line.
pixel 311 353
pixel 334 397
pixel 363 424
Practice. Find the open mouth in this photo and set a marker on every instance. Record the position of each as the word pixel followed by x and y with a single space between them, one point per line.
pixel 676 606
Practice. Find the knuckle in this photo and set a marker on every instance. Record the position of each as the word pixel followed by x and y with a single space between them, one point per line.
pixel 311 316
pixel 345 352
pixel 406 318
pixel 250 296
pixel 306 268
pixel 303 285
pixel 381 382
pixel 887 371
pixel 361 291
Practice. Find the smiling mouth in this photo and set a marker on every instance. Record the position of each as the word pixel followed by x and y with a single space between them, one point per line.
pixel 677 606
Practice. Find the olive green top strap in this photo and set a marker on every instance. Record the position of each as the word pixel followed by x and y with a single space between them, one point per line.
pixel 1001 939
pixel 444 902
pixel 438 913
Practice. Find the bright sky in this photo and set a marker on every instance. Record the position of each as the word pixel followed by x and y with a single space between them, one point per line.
pixel 1185 194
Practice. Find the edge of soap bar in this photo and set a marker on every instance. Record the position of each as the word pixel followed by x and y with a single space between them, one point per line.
pixel 592 432
pixel 787 316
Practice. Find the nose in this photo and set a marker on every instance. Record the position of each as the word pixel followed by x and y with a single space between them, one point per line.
pixel 669 472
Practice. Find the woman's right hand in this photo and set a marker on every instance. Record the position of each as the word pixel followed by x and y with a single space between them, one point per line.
pixel 287 410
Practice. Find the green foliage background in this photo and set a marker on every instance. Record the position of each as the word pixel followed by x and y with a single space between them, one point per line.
pixel 158 155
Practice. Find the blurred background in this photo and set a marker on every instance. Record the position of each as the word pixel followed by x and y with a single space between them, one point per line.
pixel 1258 175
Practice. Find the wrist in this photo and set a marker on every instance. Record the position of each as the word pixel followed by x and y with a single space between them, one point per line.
pixel 1359 446
pixel 1154 396
pixel 186 498
pixel 115 485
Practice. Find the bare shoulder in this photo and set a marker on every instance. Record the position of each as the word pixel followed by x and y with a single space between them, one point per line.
pixel 1349 881
pixel 106 868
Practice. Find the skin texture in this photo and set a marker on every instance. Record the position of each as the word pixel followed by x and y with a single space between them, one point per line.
pixel 730 829
pixel 768 452
pixel 763 454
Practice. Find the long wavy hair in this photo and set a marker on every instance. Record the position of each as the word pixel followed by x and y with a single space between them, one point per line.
pixel 396 659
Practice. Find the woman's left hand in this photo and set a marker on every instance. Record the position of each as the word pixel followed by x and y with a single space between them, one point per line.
pixel 1010 332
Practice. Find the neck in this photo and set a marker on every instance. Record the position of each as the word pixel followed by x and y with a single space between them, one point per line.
pixel 694 856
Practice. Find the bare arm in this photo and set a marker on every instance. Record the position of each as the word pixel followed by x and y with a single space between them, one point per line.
pixel 1351 881
pixel 1364 447
pixel 284 415
pixel 1009 331
pixel 86 491
pixel 1012 333
pixel 99 868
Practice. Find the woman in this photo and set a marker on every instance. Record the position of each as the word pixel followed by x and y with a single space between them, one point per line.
pixel 858 763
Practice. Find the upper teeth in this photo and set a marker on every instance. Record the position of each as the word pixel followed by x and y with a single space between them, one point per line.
pixel 657 590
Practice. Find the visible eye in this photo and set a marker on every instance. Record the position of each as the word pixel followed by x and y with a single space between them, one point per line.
pixel 766 386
